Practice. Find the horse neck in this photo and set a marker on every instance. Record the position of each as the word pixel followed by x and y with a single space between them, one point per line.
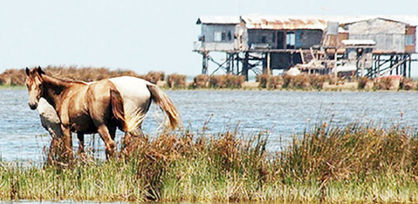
pixel 54 89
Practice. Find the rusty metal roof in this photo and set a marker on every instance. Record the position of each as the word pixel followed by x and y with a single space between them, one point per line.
pixel 298 22
pixel 284 23
pixel 403 19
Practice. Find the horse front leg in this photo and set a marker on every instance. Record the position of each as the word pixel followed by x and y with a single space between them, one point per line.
pixel 80 137
pixel 53 150
pixel 68 144
pixel 107 139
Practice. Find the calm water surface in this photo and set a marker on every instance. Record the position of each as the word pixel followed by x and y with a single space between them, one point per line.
pixel 281 113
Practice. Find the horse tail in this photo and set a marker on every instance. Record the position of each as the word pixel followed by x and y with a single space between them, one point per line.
pixel 116 103
pixel 165 104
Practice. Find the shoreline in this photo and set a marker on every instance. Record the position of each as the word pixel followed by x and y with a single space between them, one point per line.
pixel 305 82
pixel 251 88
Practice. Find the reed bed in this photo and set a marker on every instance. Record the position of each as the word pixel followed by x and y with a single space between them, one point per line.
pixel 226 81
pixel 176 81
pixel 16 77
pixel 303 81
pixel 328 164
pixel 201 81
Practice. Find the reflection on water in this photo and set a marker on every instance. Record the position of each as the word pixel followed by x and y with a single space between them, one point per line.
pixel 282 113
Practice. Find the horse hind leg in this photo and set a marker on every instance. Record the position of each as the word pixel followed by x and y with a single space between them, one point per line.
pixel 131 140
pixel 106 137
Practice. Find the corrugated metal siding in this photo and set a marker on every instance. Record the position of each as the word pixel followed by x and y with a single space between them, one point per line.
pixel 384 42
pixel 388 35
pixel 376 26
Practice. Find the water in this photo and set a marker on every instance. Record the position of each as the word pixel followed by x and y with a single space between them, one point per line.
pixel 282 113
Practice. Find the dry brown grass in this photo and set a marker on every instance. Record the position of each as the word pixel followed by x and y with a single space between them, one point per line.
pixel 177 81
pixel 387 83
pixel 407 84
pixel 12 77
pixel 226 81
pixel 362 82
pixel 15 77
pixel 317 81
pixel 201 81
pixel 88 74
pixel 270 82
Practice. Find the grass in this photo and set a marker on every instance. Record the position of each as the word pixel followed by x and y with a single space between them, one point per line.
pixel 342 164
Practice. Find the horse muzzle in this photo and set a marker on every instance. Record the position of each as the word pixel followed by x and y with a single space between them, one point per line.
pixel 33 106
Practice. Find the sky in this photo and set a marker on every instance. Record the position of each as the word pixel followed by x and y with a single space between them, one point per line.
pixel 141 35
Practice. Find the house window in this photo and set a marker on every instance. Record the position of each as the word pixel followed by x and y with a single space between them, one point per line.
pixel 409 39
pixel 217 36
pixel 263 39
pixel 290 40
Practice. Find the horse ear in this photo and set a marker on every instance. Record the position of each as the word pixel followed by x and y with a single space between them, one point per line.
pixel 27 71
pixel 40 71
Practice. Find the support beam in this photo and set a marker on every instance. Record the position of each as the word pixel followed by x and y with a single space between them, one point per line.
pixel 268 64
pixel 237 61
pixel 205 63
pixel 228 64
pixel 409 66
pixel 245 66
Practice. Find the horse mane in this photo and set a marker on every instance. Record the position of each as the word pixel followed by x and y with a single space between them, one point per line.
pixel 65 81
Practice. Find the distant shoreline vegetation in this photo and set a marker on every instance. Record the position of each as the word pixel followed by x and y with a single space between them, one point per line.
pixel 16 77
pixel 355 163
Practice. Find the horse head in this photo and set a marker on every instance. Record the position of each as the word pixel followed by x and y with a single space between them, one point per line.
pixel 34 82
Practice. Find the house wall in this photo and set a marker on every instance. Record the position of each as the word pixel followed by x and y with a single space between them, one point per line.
pixel 308 38
pixel 256 37
pixel 388 35
pixel 303 38
pixel 410 39
pixel 209 30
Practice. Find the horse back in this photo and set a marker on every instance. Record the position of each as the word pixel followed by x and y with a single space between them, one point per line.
pixel 136 99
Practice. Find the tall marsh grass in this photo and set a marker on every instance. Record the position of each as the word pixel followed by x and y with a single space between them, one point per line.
pixel 16 77
pixel 343 164
pixel 303 81
pixel 226 81
pixel 177 81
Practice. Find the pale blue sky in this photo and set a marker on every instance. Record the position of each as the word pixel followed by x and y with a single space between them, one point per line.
pixel 141 35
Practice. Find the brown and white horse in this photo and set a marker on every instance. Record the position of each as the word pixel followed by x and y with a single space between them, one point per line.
pixel 97 107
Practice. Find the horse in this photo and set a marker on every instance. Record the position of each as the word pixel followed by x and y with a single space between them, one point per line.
pixel 98 107
pixel 51 122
